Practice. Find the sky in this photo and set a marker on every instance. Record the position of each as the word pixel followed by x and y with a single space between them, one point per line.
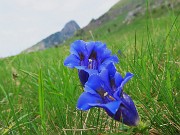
pixel 23 23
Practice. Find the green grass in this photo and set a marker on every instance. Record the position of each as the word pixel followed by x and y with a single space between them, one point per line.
pixel 38 94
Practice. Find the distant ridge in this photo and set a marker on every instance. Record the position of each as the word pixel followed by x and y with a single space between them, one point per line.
pixel 57 38
pixel 129 9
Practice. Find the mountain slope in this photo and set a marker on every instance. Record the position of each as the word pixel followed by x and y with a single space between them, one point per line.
pixel 128 10
pixel 57 38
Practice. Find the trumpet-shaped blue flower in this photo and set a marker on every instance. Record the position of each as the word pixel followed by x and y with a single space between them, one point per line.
pixel 88 58
pixel 105 90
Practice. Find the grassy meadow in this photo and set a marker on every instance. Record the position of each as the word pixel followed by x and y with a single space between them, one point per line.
pixel 38 94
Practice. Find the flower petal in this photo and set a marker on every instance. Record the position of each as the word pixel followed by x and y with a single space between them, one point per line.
pixel 118 93
pixel 71 61
pixel 86 99
pixel 102 50
pixel 107 61
pixel 83 76
pixel 104 75
pixel 111 107
pixel 111 69
pixel 126 79
pixel 129 112
pixel 108 76
pixel 77 47
pixel 90 46
pixel 94 82
pixel 118 79
pixel 91 71
pixel 105 54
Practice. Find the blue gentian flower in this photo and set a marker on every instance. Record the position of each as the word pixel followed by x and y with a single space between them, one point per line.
pixel 105 90
pixel 88 58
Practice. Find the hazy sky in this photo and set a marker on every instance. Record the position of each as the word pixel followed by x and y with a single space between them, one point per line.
pixel 25 22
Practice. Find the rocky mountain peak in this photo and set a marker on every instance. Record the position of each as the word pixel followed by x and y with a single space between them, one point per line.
pixel 56 38
pixel 70 28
